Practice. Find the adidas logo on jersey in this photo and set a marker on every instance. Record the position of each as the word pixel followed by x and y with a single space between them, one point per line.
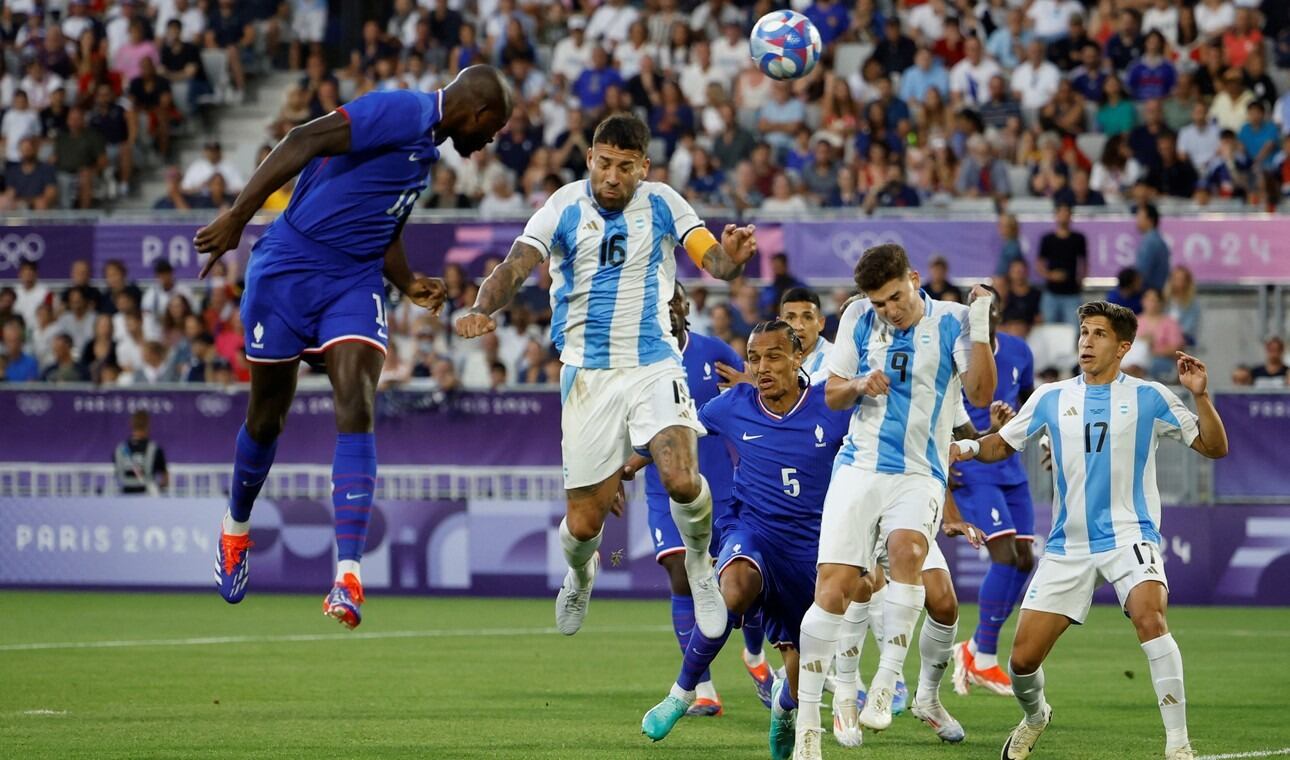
pixel 1070 412
pixel 592 225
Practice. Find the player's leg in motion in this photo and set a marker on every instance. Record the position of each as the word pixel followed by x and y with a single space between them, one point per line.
pixel 675 453
pixel 273 386
pixel 906 550
pixel 754 655
pixel 835 585
pixel 783 708
pixel 846 683
pixel 936 649
pixel 707 702
pixel 1146 606
pixel 1037 632
pixel 741 583
pixel 580 533
pixel 354 368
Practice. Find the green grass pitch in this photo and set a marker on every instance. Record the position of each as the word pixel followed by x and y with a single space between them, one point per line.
pixel 487 678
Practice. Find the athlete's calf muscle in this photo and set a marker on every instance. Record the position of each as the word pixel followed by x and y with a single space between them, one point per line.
pixel 675 453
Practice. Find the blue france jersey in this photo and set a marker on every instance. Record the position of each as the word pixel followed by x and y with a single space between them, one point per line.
pixel 699 356
pixel 612 273
pixel 1016 370
pixel 906 430
pixel 353 204
pixel 785 462
pixel 1104 457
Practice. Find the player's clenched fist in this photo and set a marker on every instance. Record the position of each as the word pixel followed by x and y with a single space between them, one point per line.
pixel 875 383
pixel 429 293
pixel 740 242
pixel 474 324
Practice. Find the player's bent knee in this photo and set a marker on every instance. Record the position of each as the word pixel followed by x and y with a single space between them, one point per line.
pixel 1150 625
pixel 683 484
pixel 740 585
pixel 583 525
pixel 265 431
pixel 1024 663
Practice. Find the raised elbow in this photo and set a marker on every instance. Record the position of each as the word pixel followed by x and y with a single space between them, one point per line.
pixel 981 397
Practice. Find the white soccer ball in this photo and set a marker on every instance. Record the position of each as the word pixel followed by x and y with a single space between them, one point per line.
pixel 785 45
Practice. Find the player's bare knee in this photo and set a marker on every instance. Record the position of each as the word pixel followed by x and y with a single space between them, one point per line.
pixel 683 484
pixel 1150 624
pixel 583 526
pixel 740 586
pixel 942 607
pixel 1024 663
pixel 265 429
pixel 906 556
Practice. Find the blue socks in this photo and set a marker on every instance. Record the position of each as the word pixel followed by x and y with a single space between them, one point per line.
pixel 999 593
pixel 683 625
pixel 700 653
pixel 786 702
pixel 353 478
pixel 753 635
pixel 251 463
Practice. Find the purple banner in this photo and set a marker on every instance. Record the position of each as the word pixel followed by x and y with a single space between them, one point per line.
pixel 1215 555
pixel 481 429
pixel 1253 467
pixel 1218 249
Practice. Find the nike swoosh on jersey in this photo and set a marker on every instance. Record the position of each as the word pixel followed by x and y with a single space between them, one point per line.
pixel 413 157
pixel 352 496
pixel 752 437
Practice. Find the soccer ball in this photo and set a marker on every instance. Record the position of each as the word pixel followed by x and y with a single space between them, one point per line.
pixel 785 45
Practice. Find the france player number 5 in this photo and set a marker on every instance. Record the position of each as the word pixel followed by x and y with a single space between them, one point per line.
pixel 791 485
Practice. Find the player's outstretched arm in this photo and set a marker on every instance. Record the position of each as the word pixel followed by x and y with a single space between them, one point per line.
pixel 980 378
pixel 954 525
pixel 1212 440
pixel 498 290
pixel 427 292
pixel 325 136
pixel 725 260
pixel 991 448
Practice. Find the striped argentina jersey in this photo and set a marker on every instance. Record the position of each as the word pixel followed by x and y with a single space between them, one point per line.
pixel 612 273
pixel 816 363
pixel 907 429
pixel 1104 456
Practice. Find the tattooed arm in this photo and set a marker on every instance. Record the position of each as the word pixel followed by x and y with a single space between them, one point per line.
pixel 724 260
pixel 498 290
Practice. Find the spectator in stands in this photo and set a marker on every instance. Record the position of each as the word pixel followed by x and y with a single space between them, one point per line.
pixel 981 175
pixel 1163 334
pixel 77 320
pixel 1116 115
pixel 80 156
pixel 1173 176
pixel 1152 76
pixel 31 292
pixel 783 198
pixel 927 73
pixel 1242 37
pixel 1021 301
pixel 1067 52
pixel 501 201
pixel 443 192
pixel 30 183
pixel 781 281
pixel 1128 290
pixel 140 463
pixel 152 106
pixel 1062 263
pixel 1089 78
pixel 1179 105
pixel 7 300
pixel 1049 174
pixel 129 58
pixel 847 193
pixel 1198 141
pixel 1010 251
pixel 53 118
pixel 229 30
pixel 1272 373
pixel 896 52
pixel 1231 104
pixel 198 174
pixel 592 83
pixel 1152 258
pixel 157 298
pixel 1051 18
pixel 970 77
pixel 1258 137
pixel 938 285
pixel 779 118
pixel 18 123
pixel 1227 176
pixel 1034 82
pixel 1182 305
pixel 1257 80
pixel 893 192
pixel 1127 45
pixel 1001 106
pixel 152 369
pixel 1065 114
pixel 109 120
pixel 1080 192
pixel 39 83
pixel 1144 138
pixel 20 366
pixel 1117 170
pixel 64 367
pixel 1005 42
pixel 202 357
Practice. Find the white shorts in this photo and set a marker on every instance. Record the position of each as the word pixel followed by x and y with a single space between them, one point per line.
pixel 606 413
pixel 863 507
pixel 309 25
pixel 935 559
pixel 1064 585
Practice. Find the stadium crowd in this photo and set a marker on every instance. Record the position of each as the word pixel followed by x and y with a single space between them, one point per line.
pixel 913 102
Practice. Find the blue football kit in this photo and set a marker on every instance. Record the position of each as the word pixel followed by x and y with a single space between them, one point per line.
pixel 314 278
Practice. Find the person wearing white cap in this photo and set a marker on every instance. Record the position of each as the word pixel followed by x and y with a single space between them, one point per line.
pixel 573 53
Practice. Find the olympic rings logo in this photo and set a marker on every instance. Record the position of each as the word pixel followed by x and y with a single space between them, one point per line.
pixel 848 246
pixel 15 249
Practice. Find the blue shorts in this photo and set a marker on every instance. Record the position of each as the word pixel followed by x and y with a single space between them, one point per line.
pixel 289 313
pixel 787 584
pixel 998 510
pixel 667 539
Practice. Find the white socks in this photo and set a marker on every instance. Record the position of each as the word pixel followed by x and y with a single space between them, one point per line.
pixel 819 635
pixel 683 695
pixel 876 621
pixel 348 566
pixel 984 660
pixel 935 647
pixel 903 605
pixel 1029 690
pixel 1167 676
pixel 694 523
pixel 579 553
pixel 234 528
pixel 705 690
pixel 855 624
